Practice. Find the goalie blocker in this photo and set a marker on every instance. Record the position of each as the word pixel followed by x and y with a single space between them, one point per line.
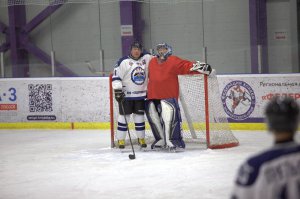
pixel 165 122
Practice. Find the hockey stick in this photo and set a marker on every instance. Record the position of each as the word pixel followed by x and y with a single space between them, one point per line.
pixel 131 156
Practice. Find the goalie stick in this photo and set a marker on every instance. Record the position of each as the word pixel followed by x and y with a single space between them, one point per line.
pixel 131 156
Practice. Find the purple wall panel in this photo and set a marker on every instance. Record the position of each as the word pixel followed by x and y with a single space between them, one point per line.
pixel 130 13
pixel 258 35
pixel 19 44
pixel 37 20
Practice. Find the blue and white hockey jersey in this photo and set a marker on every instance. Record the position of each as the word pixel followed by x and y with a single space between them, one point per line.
pixel 132 76
pixel 273 174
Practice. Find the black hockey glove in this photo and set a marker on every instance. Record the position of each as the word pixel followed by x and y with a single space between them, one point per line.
pixel 119 95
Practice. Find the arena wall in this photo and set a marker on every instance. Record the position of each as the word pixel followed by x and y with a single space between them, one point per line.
pixel 84 102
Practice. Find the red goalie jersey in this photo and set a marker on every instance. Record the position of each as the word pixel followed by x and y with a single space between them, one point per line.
pixel 163 77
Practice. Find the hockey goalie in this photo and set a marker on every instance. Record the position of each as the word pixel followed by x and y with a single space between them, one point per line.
pixel 162 108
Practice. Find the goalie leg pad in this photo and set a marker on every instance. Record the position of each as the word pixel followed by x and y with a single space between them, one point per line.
pixel 152 114
pixel 172 122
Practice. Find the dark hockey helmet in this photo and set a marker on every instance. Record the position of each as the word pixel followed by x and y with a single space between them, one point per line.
pixel 166 46
pixel 136 44
pixel 282 115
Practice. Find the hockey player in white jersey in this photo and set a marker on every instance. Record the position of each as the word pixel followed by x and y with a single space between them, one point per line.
pixel 129 82
pixel 274 173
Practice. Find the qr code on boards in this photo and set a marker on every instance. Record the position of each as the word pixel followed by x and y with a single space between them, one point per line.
pixel 40 97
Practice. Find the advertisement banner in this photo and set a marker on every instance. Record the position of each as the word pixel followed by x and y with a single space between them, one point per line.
pixel 87 99
pixel 54 99
pixel 245 96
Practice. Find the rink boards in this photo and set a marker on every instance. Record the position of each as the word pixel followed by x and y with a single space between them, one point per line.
pixel 83 102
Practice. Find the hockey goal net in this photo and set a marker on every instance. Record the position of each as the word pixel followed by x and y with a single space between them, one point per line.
pixel 203 118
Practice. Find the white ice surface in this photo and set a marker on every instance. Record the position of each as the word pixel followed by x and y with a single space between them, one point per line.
pixel 79 164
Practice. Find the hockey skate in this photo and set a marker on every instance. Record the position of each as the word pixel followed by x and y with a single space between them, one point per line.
pixel 121 144
pixel 162 146
pixel 142 142
pixel 169 146
pixel 158 144
pixel 171 149
pixel 165 148
pixel 179 144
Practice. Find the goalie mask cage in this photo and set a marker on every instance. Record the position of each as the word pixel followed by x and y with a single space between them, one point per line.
pixel 204 120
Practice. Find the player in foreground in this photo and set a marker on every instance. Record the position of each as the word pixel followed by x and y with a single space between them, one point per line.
pixel 129 82
pixel 162 107
pixel 274 173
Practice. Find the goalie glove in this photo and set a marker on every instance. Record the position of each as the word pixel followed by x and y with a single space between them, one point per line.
pixel 201 67
pixel 119 95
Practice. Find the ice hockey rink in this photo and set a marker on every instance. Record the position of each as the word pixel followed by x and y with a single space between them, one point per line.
pixel 79 164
